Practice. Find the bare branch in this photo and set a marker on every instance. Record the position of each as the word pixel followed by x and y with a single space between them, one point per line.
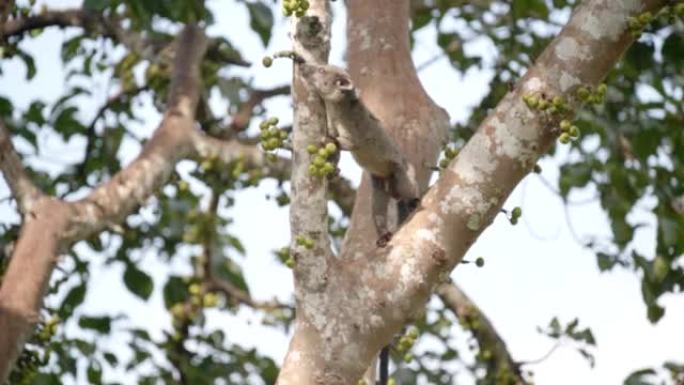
pixel 508 143
pixel 500 362
pixel 109 27
pixel 121 97
pixel 54 225
pixel 90 21
pixel 242 117
pixel 23 189
pixel 112 202
pixel 214 283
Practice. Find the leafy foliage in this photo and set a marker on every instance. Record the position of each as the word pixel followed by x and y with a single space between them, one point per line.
pixel 630 151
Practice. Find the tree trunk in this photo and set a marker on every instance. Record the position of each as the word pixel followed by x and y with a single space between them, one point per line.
pixel 367 294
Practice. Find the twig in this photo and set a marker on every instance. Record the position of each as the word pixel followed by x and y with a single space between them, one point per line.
pixel 23 189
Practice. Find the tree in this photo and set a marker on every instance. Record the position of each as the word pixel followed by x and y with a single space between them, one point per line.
pixel 547 92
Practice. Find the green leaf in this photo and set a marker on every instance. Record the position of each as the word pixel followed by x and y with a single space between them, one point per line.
pixel 110 358
pixel 529 8
pixel 588 356
pixel 622 231
pixel 673 49
pixel 138 282
pixel 574 175
pixel 421 19
pixel 261 20
pixel 101 325
pixel 6 107
pixel 35 113
pixel 236 244
pixel 30 64
pixel 94 373
pixel 74 298
pixel 655 313
pixel 66 123
pixel 670 230
pixel 640 377
pixel 230 271
pixel 175 291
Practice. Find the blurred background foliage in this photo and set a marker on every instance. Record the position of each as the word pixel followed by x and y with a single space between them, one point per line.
pixel 630 153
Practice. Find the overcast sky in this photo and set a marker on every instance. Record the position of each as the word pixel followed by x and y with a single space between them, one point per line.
pixel 533 271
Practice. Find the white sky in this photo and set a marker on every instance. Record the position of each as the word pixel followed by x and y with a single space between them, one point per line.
pixel 533 272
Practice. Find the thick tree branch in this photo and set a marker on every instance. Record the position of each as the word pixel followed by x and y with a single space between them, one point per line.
pixel 340 189
pixel 507 145
pixel 55 225
pixel 499 362
pixel 90 21
pixel 23 190
pixel 111 202
pixel 123 96
pixel 108 27
pixel 308 208
pixel 374 292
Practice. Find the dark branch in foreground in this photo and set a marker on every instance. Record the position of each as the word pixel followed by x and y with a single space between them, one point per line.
pixel 500 364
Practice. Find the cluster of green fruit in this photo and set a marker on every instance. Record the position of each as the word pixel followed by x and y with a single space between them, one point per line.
pixel 556 105
pixel 198 299
pixel 449 154
pixel 587 95
pixel 516 213
pixel 304 242
pixel 321 164
pixel 285 257
pixel 637 24
pixel 271 137
pixel 406 342
pixel 568 131
pixel 48 330
pixel 295 7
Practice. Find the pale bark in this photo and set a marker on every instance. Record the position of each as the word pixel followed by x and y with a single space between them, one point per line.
pixel 22 188
pixel 370 293
pixel 308 208
pixel 50 226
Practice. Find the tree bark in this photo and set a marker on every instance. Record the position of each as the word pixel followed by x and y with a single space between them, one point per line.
pixel 50 226
pixel 370 293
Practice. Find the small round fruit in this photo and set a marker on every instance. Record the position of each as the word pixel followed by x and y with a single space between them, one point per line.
pixel 574 132
pixel 479 262
pixel 319 161
pixel 267 61
pixel 564 138
pixel 328 168
pixel 565 125
pixel 331 148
